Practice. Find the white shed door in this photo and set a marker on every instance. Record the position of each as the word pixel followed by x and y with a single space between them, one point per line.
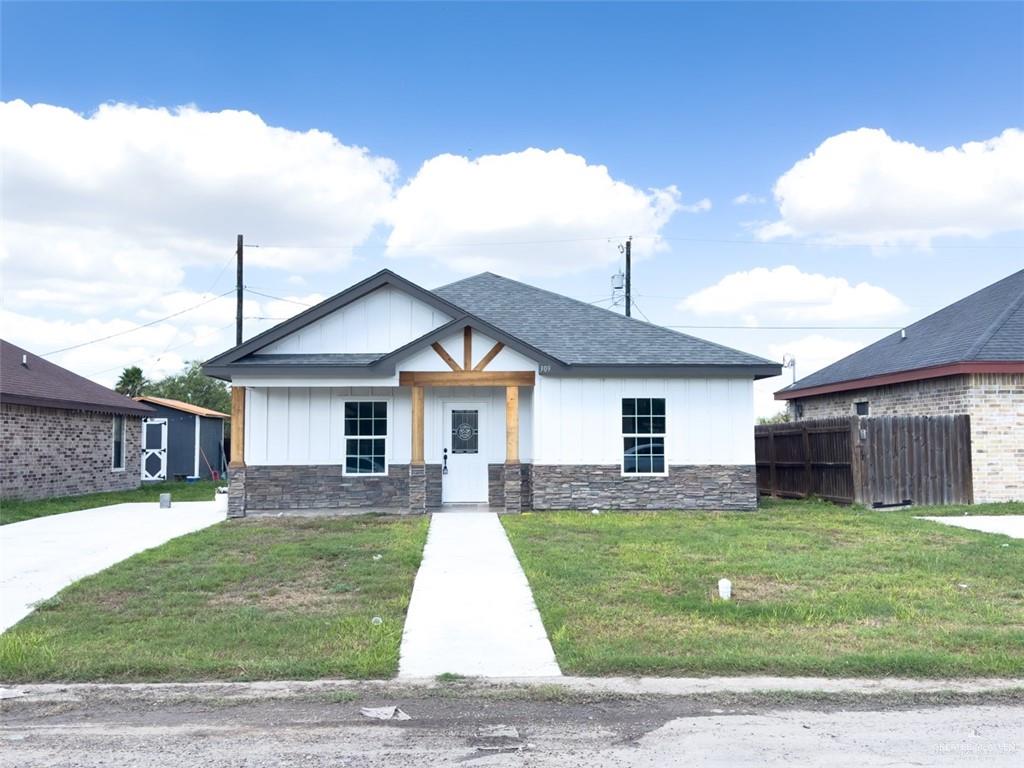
pixel 465 459
pixel 154 449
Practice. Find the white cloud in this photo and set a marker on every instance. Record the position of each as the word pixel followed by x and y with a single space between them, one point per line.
pixel 127 197
pixel 748 198
pixel 159 349
pixel 701 206
pixel 530 196
pixel 864 187
pixel 790 294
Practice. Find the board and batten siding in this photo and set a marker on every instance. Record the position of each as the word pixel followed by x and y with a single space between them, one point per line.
pixel 381 321
pixel 562 421
pixel 305 425
pixel 578 420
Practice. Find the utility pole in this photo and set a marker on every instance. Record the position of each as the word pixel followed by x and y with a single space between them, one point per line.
pixel 238 292
pixel 629 270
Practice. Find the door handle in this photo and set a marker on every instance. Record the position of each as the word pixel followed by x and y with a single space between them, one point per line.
pixel 444 460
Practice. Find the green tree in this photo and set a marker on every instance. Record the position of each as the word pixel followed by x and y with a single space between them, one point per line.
pixel 193 386
pixel 779 418
pixel 132 382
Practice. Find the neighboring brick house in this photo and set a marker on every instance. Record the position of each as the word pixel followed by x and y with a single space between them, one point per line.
pixel 965 358
pixel 62 434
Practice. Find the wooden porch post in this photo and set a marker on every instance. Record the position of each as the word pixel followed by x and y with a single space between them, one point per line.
pixel 417 425
pixel 237 427
pixel 511 425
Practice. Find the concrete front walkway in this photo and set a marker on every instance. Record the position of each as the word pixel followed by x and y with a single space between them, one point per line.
pixel 472 612
pixel 40 557
pixel 1008 525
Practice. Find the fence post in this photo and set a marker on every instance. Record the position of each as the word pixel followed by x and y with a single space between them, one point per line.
pixel 856 460
pixel 807 462
pixel 771 459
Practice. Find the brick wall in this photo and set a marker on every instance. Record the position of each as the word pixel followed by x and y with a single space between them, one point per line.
pixel 994 401
pixel 47 452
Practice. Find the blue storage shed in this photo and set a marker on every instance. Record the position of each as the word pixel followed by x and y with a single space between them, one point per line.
pixel 182 440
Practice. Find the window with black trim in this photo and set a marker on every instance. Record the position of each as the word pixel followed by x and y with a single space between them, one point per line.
pixel 862 408
pixel 366 435
pixel 117 439
pixel 643 435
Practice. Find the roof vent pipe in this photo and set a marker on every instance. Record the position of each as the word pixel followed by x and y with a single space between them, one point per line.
pixel 24 361
pixel 903 333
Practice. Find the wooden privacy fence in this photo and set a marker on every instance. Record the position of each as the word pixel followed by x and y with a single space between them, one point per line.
pixel 877 461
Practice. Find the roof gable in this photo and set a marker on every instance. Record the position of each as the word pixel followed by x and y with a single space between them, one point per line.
pixel 313 315
pixel 987 326
pixel 564 335
pixel 47 385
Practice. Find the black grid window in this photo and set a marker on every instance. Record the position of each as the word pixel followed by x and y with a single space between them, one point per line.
pixel 366 432
pixel 643 435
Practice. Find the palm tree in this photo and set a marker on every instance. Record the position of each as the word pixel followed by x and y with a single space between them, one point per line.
pixel 132 382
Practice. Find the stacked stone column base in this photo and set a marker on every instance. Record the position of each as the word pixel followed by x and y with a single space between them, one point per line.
pixel 236 492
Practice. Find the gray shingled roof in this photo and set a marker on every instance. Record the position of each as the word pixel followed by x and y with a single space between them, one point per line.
pixel 582 334
pixel 987 326
pixel 47 385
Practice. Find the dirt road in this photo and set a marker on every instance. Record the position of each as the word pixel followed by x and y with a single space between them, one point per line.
pixel 460 723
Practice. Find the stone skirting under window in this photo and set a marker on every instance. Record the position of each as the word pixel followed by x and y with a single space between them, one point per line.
pixel 710 486
pixel 326 487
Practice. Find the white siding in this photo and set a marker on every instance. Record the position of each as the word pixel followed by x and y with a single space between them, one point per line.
pixel 577 420
pixel 381 321
pixel 305 425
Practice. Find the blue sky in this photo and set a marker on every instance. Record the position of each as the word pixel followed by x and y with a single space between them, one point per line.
pixel 717 100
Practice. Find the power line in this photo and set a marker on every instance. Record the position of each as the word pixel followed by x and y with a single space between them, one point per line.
pixel 136 328
pixel 193 340
pixel 611 238
pixel 277 298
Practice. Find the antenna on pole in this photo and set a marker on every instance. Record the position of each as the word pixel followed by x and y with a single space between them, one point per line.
pixel 629 275
pixel 238 290
pixel 617 279
pixel 788 361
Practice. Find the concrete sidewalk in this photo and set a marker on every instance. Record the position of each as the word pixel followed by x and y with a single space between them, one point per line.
pixel 472 612
pixel 1008 525
pixel 39 557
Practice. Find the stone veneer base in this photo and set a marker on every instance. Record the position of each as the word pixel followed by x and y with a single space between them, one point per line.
pixel 705 486
pixel 322 489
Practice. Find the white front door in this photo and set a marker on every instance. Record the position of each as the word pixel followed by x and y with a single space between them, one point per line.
pixel 465 461
pixel 154 449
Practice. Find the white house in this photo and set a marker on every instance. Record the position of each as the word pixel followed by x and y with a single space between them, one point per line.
pixel 389 396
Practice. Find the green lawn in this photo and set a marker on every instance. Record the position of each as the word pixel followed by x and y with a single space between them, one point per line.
pixel 16 511
pixel 818 590
pixel 250 599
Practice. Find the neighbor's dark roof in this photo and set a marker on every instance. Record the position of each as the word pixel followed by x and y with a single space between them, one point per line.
pixel 565 335
pixel 582 334
pixel 44 384
pixel 987 326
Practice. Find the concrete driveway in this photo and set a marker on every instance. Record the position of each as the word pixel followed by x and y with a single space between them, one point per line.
pixel 1008 525
pixel 40 557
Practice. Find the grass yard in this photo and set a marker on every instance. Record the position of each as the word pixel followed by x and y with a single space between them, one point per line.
pixel 817 590
pixel 243 600
pixel 16 511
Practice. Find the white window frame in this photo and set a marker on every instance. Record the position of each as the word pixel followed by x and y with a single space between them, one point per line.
pixel 623 435
pixel 389 402
pixel 124 442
